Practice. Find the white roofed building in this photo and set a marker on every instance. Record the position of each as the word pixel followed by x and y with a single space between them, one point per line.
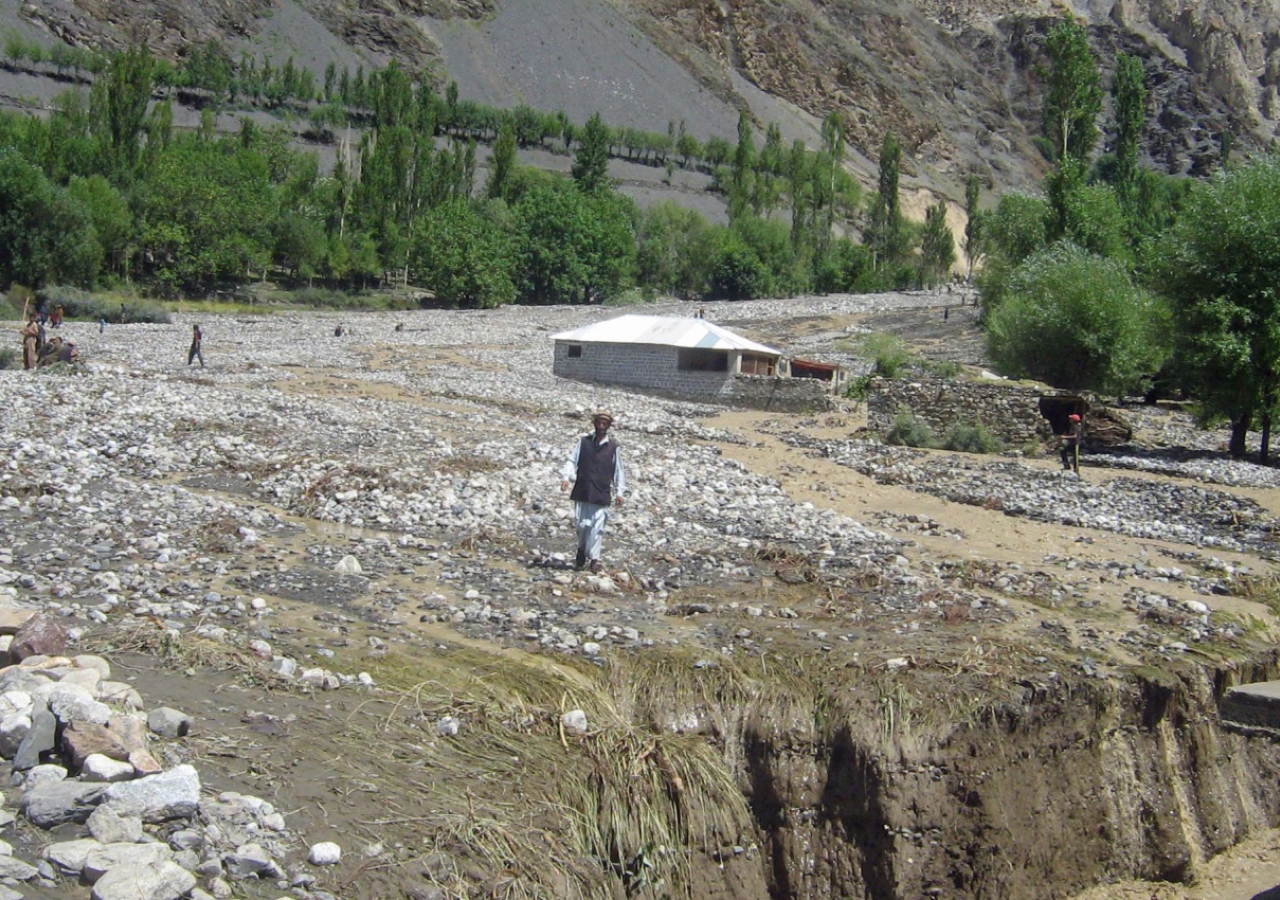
pixel 681 357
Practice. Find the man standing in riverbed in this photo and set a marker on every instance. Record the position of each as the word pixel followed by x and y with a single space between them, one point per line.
pixel 1071 444
pixel 197 342
pixel 595 468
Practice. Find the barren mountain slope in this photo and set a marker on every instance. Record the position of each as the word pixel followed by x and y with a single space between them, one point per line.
pixel 955 79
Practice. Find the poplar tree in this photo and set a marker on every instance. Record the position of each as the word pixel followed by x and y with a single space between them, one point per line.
pixel 1129 102
pixel 591 162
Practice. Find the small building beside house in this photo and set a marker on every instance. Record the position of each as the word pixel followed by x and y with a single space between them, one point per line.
pixel 687 358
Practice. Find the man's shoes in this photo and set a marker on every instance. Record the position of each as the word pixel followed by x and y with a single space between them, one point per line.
pixel 581 559
pixel 596 566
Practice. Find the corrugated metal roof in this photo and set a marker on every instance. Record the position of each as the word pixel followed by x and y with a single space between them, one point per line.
pixel 667 331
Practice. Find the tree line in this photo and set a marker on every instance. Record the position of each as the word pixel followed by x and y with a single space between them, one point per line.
pixel 107 190
pixel 1120 279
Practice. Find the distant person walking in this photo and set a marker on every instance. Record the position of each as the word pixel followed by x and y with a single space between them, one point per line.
pixel 195 352
pixel 102 325
pixel 595 469
pixel 1071 441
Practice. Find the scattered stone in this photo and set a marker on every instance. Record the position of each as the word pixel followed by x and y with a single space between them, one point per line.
pixel 106 857
pixel 109 828
pixel 57 802
pixel 168 795
pixel 98 767
pixel 168 722
pixel 38 636
pixel 574 721
pixel 164 881
pixel 326 853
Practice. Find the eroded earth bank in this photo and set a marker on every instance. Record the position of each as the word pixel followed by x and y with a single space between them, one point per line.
pixel 814 666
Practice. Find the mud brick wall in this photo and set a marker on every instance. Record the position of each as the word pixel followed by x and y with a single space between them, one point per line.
pixel 654 368
pixel 1011 413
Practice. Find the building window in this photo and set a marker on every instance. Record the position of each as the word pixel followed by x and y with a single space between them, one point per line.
pixel 754 364
pixel 696 359
pixel 575 351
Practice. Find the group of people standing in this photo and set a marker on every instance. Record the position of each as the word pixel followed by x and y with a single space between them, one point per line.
pixel 37 348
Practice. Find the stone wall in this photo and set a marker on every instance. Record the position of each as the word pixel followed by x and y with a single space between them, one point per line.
pixel 655 369
pixel 1010 412
pixel 796 395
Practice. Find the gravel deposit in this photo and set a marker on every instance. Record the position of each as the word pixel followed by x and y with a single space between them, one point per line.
pixel 402 487
pixel 337 471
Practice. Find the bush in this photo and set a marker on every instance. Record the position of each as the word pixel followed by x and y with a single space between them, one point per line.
pixel 9 358
pixel 860 388
pixel 908 431
pixel 973 438
pixel 327 298
pixel 79 304
pixel 943 368
pixel 888 353
pixel 131 311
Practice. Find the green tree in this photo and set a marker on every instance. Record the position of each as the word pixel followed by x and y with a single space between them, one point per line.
pixel 1073 97
pixel 937 245
pixel 205 213
pixel 1017 228
pixel 572 248
pixel 45 235
pixel 124 102
pixel 463 258
pixel 845 266
pixel 973 226
pixel 299 244
pixel 501 162
pixel 110 216
pixel 1220 266
pixel 668 239
pixel 1129 107
pixel 770 243
pixel 887 235
pixel 741 174
pixel 591 162
pixel 1076 321
pixel 737 273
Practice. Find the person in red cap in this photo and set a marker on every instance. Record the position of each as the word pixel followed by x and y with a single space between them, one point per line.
pixel 1071 444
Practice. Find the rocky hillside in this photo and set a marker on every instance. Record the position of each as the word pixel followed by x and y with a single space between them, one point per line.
pixel 955 79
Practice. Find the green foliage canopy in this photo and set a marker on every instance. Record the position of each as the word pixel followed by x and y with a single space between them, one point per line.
pixel 1220 267
pixel 1077 321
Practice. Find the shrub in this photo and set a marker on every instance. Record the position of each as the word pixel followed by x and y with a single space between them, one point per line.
pixel 888 353
pixel 908 431
pixel 8 358
pixel 942 368
pixel 972 438
pixel 80 304
pixel 860 387
pixel 327 298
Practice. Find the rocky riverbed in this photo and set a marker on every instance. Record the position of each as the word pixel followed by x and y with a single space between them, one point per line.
pixel 334 516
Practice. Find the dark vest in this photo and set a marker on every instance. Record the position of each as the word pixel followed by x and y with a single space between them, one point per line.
pixel 595 471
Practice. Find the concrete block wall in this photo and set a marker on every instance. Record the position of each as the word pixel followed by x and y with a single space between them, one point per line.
pixel 655 368
pixel 647 366
pixel 1010 412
